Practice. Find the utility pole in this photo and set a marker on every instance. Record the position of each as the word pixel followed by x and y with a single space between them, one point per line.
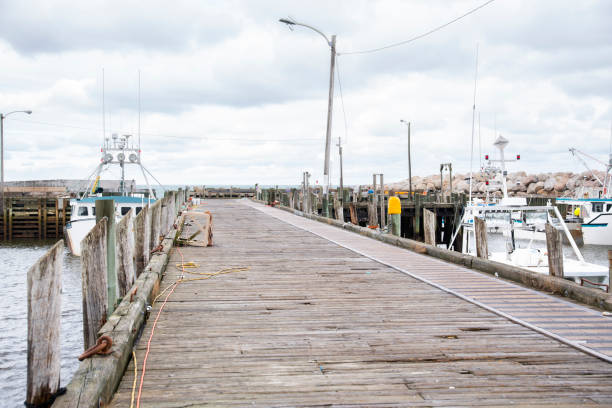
pixel 409 161
pixel 330 108
pixel 330 104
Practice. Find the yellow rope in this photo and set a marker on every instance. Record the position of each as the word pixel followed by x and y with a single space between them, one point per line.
pixel 181 265
pixel 208 276
pixel 135 378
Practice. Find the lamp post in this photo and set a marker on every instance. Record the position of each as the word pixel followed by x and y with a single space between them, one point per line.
pixel 330 103
pixel 2 116
pixel 409 164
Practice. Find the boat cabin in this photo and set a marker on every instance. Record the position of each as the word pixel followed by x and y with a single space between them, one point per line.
pixel 86 208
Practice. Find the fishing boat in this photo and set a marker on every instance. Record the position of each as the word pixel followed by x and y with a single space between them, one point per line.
pixel 593 215
pixel 531 258
pixel 118 152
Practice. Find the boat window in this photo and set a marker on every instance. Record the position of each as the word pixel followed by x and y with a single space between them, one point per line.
pixel 138 210
pixel 608 207
pixel 597 207
pixel 93 210
pixel 83 212
pixel 125 210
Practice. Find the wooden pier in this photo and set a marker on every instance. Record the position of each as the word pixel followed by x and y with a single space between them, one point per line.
pixel 306 314
pixel 33 217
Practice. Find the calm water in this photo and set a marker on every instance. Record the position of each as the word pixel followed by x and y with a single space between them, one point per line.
pixel 15 260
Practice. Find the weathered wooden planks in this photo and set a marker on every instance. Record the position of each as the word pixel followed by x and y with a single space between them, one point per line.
pixel 93 275
pixel 429 226
pixel 142 246
pixel 554 248
pixel 312 323
pixel 125 253
pixel 480 234
pixel 44 311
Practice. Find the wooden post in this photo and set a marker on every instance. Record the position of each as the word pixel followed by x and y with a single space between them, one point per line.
pixel 554 248
pixel 383 213
pixel 429 226
pixel 93 270
pixel 142 240
pixel 480 232
pixel 106 208
pixel 372 214
pixel 155 218
pixel 125 253
pixel 417 216
pixel 395 214
pixel 338 208
pixel 353 212
pixel 10 218
pixel 57 228
pixel 44 313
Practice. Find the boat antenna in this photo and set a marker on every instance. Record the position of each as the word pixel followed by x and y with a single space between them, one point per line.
pixel 139 111
pixel 103 112
pixel 473 118
pixel 479 144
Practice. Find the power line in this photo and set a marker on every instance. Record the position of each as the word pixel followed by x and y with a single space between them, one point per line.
pixel 418 37
pixel 342 102
pixel 239 139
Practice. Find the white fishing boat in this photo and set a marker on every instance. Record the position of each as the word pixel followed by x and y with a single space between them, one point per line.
pixel 531 258
pixel 120 152
pixel 593 215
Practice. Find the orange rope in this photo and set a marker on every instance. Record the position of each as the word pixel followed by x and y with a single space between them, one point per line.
pixel 144 362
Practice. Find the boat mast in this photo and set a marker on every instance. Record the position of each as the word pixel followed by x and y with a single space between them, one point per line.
pixel 473 118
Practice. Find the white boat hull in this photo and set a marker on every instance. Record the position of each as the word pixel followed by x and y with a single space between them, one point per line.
pixel 76 231
pixel 597 234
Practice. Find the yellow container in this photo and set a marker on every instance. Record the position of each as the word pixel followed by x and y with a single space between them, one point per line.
pixel 395 206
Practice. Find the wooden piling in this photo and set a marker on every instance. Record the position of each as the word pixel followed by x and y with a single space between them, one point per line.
pixel 106 208
pixel 554 248
pixel 417 216
pixel 93 273
pixel 44 313
pixel 480 232
pixel 163 215
pixel 155 219
pixel 372 214
pixel 338 209
pixel 125 253
pixel 429 226
pixel 353 212
pixel 142 239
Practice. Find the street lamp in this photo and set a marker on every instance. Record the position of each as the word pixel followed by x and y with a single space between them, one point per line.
pixel 409 164
pixel 330 103
pixel 2 116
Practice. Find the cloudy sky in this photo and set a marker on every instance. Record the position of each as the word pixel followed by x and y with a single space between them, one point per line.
pixel 232 96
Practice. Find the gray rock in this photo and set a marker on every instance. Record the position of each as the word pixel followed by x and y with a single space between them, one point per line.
pixel 549 184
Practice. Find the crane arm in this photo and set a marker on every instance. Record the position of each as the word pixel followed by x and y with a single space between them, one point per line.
pixel 578 154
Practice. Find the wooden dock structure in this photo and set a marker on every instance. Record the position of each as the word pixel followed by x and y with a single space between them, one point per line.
pixel 33 217
pixel 306 314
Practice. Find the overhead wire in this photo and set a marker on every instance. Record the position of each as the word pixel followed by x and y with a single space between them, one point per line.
pixel 418 37
pixel 342 102
pixel 238 139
